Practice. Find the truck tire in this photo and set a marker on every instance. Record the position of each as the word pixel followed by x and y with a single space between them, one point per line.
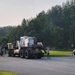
pixel 27 54
pixel 22 54
pixel 13 55
pixel 9 54
pixel 39 56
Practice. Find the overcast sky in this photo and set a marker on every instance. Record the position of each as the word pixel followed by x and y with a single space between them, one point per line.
pixel 13 11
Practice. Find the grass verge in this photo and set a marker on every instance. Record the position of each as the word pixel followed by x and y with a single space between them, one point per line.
pixel 55 53
pixel 7 73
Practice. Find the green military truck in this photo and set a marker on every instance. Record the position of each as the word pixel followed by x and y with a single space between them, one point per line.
pixel 26 48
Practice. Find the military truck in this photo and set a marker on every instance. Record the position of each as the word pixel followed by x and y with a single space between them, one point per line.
pixel 26 48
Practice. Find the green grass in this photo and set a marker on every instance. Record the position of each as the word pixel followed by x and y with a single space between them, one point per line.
pixel 7 73
pixel 59 53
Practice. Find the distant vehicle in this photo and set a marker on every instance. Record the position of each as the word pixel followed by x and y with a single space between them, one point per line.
pixel 26 48
pixel 74 51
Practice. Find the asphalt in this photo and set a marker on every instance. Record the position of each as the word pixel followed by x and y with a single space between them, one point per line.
pixel 43 66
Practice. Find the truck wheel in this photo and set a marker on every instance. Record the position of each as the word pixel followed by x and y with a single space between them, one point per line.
pixel 9 54
pixel 21 54
pixel 13 55
pixel 39 56
pixel 27 54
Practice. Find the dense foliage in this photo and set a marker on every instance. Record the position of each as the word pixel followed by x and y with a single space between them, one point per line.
pixel 55 28
pixel 4 31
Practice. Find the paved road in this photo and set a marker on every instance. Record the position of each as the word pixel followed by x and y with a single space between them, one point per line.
pixel 44 66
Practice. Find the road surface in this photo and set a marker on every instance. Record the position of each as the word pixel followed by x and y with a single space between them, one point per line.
pixel 44 66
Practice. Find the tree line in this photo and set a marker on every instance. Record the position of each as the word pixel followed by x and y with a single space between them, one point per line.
pixel 55 28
